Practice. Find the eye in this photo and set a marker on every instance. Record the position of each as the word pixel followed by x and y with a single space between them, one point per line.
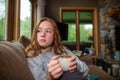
pixel 39 30
pixel 49 31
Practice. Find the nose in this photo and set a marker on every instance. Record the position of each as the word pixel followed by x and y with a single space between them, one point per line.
pixel 43 33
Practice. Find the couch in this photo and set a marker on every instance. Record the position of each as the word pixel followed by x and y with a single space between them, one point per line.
pixel 94 69
pixel 13 65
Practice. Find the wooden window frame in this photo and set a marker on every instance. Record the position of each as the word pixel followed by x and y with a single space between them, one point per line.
pixel 95 29
pixel 13 18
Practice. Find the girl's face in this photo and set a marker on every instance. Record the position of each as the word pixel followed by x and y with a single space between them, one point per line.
pixel 45 34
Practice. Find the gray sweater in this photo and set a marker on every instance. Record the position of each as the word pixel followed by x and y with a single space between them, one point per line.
pixel 38 65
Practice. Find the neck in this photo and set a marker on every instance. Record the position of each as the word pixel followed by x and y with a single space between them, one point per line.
pixel 45 50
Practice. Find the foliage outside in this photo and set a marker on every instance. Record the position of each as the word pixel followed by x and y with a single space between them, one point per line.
pixel 25 27
pixel 84 33
pixel 2 19
pixel 25 24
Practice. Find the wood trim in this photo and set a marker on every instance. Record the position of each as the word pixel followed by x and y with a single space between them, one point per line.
pixel 60 14
pixel 10 21
pixel 13 15
pixel 78 31
pixel 34 14
pixel 95 32
pixel 77 8
pixel 16 20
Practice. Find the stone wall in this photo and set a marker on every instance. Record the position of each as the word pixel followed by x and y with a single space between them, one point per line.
pixel 108 22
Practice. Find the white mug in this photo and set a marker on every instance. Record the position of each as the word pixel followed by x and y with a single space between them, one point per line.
pixel 64 62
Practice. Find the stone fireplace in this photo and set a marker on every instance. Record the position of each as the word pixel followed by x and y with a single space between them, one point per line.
pixel 109 14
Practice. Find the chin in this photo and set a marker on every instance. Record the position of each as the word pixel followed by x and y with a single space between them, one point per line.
pixel 45 46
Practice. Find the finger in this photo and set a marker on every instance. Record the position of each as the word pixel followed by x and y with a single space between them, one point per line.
pixel 73 67
pixel 55 57
pixel 53 68
pixel 57 71
pixel 72 59
pixel 52 63
pixel 73 63
pixel 57 75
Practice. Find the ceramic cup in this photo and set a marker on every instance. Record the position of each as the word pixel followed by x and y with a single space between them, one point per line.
pixel 64 62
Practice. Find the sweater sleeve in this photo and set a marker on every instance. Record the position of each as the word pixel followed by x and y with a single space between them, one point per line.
pixel 36 69
pixel 82 67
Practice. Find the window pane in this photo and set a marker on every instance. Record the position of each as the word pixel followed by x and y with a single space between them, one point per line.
pixel 86 26
pixel 71 33
pixel 3 9
pixel 25 18
pixel 69 18
pixel 86 30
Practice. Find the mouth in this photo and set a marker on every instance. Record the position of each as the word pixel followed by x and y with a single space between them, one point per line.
pixel 42 40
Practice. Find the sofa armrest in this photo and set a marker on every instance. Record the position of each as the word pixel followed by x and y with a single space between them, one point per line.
pixel 13 65
pixel 87 59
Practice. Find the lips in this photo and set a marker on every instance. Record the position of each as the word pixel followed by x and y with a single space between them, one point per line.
pixel 42 40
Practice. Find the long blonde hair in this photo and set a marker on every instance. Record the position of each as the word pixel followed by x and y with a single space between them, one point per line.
pixel 34 49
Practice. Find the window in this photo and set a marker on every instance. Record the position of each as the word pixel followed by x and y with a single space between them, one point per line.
pixel 25 18
pixel 82 28
pixel 3 11
pixel 17 18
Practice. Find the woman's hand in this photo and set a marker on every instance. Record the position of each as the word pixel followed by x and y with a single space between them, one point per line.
pixel 73 64
pixel 54 68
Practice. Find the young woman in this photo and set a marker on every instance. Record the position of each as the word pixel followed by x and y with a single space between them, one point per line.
pixel 43 52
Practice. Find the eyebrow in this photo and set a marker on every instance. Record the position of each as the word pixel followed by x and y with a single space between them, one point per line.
pixel 46 28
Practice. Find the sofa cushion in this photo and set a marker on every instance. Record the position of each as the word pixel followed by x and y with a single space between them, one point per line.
pixel 13 65
pixel 24 41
